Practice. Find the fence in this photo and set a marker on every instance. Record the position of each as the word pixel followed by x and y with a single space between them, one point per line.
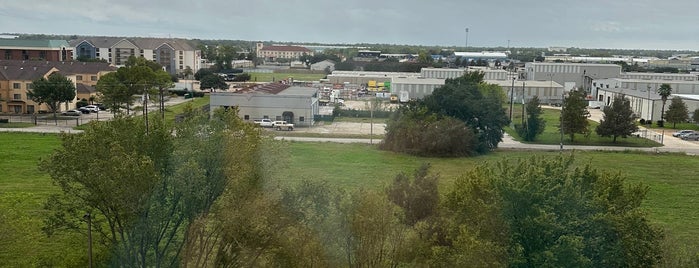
pixel 49 120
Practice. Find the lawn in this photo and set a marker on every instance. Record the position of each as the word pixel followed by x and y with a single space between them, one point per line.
pixel 171 111
pixel 273 77
pixel 671 201
pixel 552 134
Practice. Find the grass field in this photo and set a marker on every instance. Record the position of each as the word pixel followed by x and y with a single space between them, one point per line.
pixel 552 135
pixel 171 111
pixel 273 77
pixel 671 202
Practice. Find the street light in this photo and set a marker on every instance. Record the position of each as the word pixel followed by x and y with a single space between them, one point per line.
pixel 512 96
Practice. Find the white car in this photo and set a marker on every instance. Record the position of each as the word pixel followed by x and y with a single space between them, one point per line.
pixel 92 108
pixel 264 122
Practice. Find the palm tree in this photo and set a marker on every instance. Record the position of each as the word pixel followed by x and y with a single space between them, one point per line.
pixel 664 91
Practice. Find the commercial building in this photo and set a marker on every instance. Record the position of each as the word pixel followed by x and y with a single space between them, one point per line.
pixel 175 55
pixel 272 53
pixel 326 65
pixel 548 92
pixel 362 77
pixel 444 73
pixel 50 50
pixel 570 74
pixel 275 101
pixel 417 87
pixel 660 76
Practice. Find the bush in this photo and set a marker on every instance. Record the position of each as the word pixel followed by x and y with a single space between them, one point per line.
pixel 81 103
pixel 661 123
pixel 642 121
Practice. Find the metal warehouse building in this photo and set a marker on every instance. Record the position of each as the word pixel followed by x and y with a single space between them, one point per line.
pixel 444 73
pixel 417 88
pixel 275 101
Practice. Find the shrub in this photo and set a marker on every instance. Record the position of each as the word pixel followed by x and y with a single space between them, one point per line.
pixel 661 123
pixel 642 121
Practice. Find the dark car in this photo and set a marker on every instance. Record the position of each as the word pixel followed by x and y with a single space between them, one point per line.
pixel 84 110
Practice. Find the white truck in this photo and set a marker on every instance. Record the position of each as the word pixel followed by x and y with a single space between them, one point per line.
pixel 264 122
pixel 282 125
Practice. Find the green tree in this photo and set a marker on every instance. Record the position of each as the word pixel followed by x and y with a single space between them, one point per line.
pixel 618 120
pixel 418 197
pixel 202 73
pixel 213 81
pixel 477 104
pixel 574 114
pixel 664 91
pixel 52 91
pixel 534 125
pixel 112 91
pixel 677 112
pixel 695 116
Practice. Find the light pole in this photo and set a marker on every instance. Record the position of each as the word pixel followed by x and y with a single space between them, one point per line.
pixel 523 86
pixel 650 113
pixel 563 96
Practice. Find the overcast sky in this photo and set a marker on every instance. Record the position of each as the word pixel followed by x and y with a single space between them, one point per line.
pixel 647 24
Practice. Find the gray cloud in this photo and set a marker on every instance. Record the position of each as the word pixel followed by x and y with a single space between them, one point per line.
pixel 594 23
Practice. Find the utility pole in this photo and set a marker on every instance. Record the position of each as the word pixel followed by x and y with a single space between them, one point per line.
pixel 523 86
pixel 650 112
pixel 512 96
pixel 563 96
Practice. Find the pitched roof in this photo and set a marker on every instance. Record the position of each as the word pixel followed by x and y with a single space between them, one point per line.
pixel 24 72
pixel 286 48
pixel 84 89
pixel 39 44
pixel 142 43
pixel 69 67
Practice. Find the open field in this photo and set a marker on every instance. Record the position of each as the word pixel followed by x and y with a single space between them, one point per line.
pixel 273 77
pixel 671 202
pixel 552 135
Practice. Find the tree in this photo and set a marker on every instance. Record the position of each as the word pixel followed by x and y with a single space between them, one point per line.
pixel 202 73
pixel 664 91
pixel 112 91
pixel 555 214
pixel 213 81
pixel 574 114
pixel 418 197
pixel 618 120
pixel 677 112
pixel 534 125
pixel 52 91
pixel 695 116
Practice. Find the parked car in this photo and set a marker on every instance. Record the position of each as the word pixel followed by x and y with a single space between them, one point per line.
pixel 680 133
pixel 264 122
pixel 283 125
pixel 92 108
pixel 84 110
pixel 691 136
pixel 72 113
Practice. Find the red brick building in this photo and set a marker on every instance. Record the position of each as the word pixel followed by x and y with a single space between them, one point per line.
pixel 47 50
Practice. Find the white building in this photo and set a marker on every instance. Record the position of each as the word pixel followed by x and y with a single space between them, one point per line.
pixel 548 92
pixel 570 74
pixel 444 73
pixel 416 87
pixel 275 101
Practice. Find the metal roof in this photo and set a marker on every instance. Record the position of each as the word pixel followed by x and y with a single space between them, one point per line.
pixel 39 44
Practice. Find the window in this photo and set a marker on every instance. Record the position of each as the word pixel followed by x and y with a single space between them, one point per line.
pixel 30 109
pixel 93 78
pixel 16 86
pixel 301 119
pixel 265 117
pixel 42 55
pixel 246 117
pixel 17 96
pixel 30 86
pixel 79 77
pixel 8 54
pixel 0 108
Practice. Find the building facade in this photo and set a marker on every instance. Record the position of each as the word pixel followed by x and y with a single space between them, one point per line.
pixel 570 75
pixel 272 53
pixel 275 101
pixel 49 50
pixel 16 78
pixel 175 55
pixel 444 73
pixel 416 87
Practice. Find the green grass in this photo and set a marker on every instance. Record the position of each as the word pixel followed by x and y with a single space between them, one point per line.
pixel 272 77
pixel 552 135
pixel 16 125
pixel 23 191
pixel 171 111
pixel 671 202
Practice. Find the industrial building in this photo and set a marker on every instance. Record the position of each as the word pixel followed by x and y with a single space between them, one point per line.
pixel 361 77
pixel 275 101
pixel 548 92
pixel 416 87
pixel 444 73
pixel 570 75
pixel 660 76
